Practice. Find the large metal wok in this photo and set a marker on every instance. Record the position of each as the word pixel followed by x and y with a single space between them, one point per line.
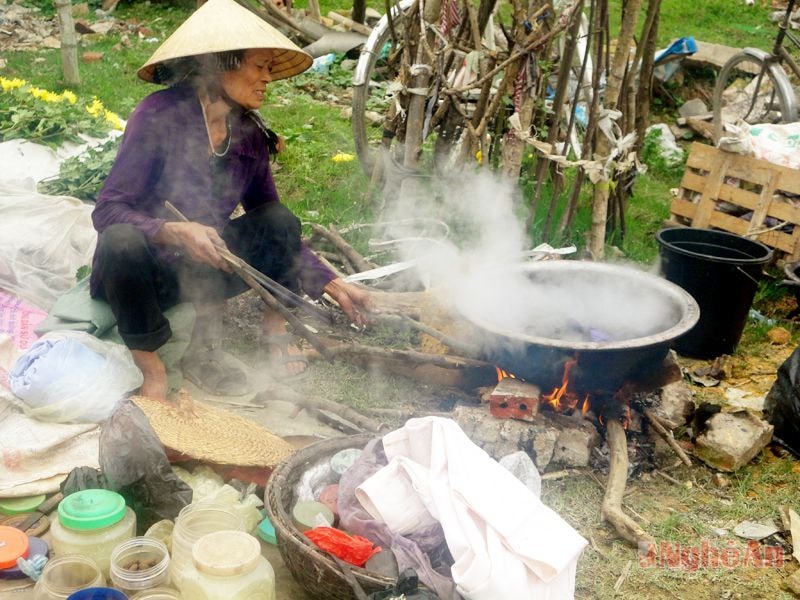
pixel 617 321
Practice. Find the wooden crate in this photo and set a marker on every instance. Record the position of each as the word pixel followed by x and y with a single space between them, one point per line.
pixel 737 194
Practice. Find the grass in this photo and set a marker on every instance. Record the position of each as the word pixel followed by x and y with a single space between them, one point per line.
pixel 683 516
pixel 321 190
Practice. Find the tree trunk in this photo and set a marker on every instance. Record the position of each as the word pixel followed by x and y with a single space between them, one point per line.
pixel 69 43
pixel 612 93
pixel 359 10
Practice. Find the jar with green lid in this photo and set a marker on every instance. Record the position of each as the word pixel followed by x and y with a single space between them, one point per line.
pixel 228 565
pixel 92 523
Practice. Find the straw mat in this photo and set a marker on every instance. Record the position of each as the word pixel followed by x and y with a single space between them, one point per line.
pixel 212 434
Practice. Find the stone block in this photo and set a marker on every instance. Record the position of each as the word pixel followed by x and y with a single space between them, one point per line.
pixel 676 405
pixel 731 440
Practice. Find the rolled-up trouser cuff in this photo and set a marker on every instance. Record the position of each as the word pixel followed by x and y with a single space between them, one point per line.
pixel 148 342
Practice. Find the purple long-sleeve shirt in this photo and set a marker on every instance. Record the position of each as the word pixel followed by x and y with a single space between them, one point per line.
pixel 164 157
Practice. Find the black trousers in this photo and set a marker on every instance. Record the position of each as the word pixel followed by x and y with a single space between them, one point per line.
pixel 139 285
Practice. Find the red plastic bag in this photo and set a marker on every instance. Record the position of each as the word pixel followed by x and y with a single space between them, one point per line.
pixel 353 549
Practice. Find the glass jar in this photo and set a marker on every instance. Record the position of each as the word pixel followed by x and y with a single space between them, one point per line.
pixel 65 575
pixel 228 565
pixel 138 564
pixel 92 523
pixel 193 522
pixel 158 594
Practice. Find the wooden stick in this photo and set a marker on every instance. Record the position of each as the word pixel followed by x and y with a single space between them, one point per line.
pixel 236 264
pixel 667 436
pixel 611 511
pixel 669 478
pixel 313 10
pixel 358 261
pixel 349 23
pixel 272 13
pixel 286 394
pixel 447 361
pixel 462 348
pixel 69 43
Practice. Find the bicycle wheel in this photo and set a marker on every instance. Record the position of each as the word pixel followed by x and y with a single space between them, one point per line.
pixel 752 88
pixel 377 68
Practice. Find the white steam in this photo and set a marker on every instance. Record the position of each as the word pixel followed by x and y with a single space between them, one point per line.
pixel 472 270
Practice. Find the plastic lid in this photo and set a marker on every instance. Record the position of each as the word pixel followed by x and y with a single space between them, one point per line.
pixel 37 547
pixel 307 515
pixel 13 545
pixel 97 593
pixel 91 509
pixel 343 460
pixel 226 553
pixel 266 531
pixel 15 506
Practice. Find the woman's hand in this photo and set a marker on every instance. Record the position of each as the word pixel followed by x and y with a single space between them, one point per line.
pixel 354 301
pixel 200 242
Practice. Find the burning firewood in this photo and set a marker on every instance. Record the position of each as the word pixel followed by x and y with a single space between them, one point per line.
pixel 611 511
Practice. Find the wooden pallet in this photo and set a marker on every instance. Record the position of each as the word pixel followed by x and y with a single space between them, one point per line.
pixel 738 194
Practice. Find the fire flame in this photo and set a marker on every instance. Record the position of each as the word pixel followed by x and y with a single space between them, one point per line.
pixel 561 399
pixel 501 374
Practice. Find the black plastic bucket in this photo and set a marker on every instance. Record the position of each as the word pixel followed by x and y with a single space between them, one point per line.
pixel 721 271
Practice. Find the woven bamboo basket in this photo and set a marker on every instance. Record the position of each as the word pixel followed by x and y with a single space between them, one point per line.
pixel 314 570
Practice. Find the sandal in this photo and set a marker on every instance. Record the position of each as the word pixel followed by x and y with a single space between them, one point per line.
pixel 215 372
pixel 281 342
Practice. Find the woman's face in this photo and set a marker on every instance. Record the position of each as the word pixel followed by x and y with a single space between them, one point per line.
pixel 246 84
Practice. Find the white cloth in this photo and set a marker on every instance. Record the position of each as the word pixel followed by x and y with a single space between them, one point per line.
pixel 504 541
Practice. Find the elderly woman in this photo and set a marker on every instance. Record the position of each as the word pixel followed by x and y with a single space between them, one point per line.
pixel 201 145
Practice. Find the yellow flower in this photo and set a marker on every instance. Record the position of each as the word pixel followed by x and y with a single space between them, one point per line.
pixel 95 108
pixel 69 96
pixel 113 120
pixel 11 84
pixel 479 156
pixel 342 157
pixel 44 95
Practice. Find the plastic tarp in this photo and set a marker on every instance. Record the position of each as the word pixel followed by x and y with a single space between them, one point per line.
pixel 44 240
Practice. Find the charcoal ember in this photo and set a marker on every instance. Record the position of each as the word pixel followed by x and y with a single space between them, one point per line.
pixel 641 456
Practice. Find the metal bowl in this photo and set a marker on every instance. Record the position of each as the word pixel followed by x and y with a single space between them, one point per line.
pixel 617 321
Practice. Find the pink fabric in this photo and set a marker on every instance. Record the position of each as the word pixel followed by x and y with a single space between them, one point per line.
pixel 18 319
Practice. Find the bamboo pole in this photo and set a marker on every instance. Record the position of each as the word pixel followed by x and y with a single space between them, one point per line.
pixel 614 85
pixel 644 92
pixel 69 43
pixel 564 71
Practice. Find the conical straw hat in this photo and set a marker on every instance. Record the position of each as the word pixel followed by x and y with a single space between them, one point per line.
pixel 224 25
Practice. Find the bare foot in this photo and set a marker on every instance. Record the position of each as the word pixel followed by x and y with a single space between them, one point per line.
pixel 281 348
pixel 155 385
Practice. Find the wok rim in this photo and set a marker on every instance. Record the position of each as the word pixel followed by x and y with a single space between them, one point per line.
pixel 690 310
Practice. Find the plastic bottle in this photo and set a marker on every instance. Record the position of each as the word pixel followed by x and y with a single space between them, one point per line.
pixel 193 522
pixel 138 564
pixel 228 565
pixel 92 523
pixel 65 575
